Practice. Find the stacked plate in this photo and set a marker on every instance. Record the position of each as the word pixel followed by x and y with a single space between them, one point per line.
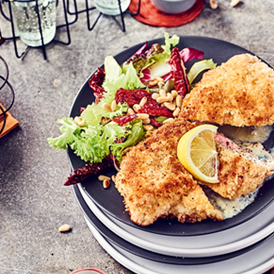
pixel 242 244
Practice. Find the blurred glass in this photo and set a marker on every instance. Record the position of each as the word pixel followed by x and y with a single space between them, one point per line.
pixel 111 7
pixel 26 16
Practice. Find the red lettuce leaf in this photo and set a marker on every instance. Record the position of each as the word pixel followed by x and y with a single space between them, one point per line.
pixel 96 82
pixel 188 54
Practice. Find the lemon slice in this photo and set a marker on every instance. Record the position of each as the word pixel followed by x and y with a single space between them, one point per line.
pixel 197 153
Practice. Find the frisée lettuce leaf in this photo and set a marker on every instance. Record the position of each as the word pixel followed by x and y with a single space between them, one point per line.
pixel 169 41
pixel 93 143
pixel 94 113
pixel 137 134
pixel 90 143
pixel 69 130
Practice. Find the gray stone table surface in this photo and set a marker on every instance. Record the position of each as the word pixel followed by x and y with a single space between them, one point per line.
pixel 33 201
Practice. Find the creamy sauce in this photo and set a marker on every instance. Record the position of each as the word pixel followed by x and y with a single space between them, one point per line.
pixel 227 207
pixel 246 134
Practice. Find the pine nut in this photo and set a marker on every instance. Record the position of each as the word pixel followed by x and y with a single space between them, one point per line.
pixel 103 177
pixel 82 124
pixel 79 122
pixel 161 100
pixel 143 116
pixel 174 93
pixel 77 119
pixel 161 84
pixel 113 105
pixel 168 120
pixel 234 3
pixel 130 111
pixel 148 127
pixel 143 101
pixel 169 97
pixel 155 96
pixel 162 92
pixel 170 106
pixel 136 107
pixel 106 106
pixel 113 178
pixel 64 228
pixel 213 4
pixel 153 82
pixel 179 101
pixel 106 183
pixel 146 121
pixel 176 112
pixel 159 79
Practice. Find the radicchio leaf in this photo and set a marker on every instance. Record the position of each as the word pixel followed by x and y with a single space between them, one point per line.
pixel 188 54
pixel 95 83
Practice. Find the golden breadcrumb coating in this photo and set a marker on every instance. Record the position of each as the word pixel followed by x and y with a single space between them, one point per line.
pixel 154 184
pixel 240 92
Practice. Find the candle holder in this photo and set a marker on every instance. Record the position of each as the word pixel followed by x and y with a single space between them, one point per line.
pixel 45 26
pixel 5 82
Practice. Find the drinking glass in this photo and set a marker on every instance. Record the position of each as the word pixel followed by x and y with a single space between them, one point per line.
pixel 28 13
pixel 111 7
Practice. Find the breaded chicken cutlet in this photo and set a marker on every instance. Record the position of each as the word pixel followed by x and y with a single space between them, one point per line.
pixel 154 183
pixel 239 92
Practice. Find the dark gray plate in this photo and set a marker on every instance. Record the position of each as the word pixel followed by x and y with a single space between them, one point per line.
pixel 111 201
pixel 112 237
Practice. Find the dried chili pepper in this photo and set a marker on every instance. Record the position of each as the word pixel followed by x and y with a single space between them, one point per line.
pixel 178 71
pixel 80 174
pixel 122 120
pixel 95 83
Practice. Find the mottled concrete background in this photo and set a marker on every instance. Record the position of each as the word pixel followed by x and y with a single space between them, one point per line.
pixel 33 200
